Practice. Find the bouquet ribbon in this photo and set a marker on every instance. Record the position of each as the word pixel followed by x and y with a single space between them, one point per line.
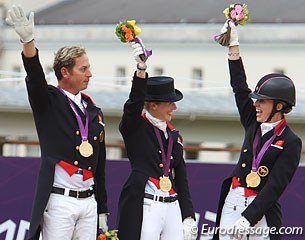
pixel 146 53
pixel 224 41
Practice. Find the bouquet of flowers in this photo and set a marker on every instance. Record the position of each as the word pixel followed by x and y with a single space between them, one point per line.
pixel 110 235
pixel 127 31
pixel 239 15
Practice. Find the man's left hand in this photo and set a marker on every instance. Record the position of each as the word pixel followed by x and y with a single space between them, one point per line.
pixel 103 222
pixel 190 230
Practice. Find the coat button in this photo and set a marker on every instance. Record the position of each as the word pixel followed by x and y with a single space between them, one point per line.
pixel 238 179
pixel 172 157
pixel 89 168
pixel 77 132
pixel 161 165
pixel 75 162
pixel 243 165
pixel 95 138
pixel 160 151
pixel 77 147
pixel 245 150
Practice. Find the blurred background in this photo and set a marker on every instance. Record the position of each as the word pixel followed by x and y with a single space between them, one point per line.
pixel 180 33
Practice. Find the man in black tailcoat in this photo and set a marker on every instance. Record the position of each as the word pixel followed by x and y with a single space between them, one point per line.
pixel 70 196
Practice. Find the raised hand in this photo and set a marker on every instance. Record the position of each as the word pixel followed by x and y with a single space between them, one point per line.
pixel 23 26
pixel 233 34
pixel 137 51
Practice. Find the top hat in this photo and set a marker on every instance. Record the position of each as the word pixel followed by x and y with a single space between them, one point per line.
pixel 161 89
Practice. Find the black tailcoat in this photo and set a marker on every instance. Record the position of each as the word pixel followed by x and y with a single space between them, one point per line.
pixel 145 157
pixel 58 134
pixel 281 161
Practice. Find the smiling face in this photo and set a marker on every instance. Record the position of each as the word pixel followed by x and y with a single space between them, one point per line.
pixel 264 108
pixel 76 79
pixel 162 110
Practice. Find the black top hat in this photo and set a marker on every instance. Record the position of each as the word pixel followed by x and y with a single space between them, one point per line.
pixel 161 89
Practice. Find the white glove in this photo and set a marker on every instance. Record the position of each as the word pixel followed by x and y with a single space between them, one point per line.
pixel 24 27
pixel 102 223
pixel 240 228
pixel 233 35
pixel 137 51
pixel 224 27
pixel 190 230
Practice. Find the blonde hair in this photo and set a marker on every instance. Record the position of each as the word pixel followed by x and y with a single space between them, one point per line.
pixel 65 57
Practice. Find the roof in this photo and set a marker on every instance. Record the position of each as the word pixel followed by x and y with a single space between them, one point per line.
pixel 193 104
pixel 170 11
pixel 113 101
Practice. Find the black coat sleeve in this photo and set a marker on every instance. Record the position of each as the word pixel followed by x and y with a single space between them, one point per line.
pixel 241 90
pixel 36 83
pixel 134 106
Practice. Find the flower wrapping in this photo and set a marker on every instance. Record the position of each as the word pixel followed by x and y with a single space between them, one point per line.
pixel 110 235
pixel 239 14
pixel 127 31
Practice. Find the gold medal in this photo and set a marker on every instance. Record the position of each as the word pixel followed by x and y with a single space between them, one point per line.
pixel 85 149
pixel 165 184
pixel 262 171
pixel 253 179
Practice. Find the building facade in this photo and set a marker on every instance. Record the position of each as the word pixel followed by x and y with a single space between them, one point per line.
pixel 206 117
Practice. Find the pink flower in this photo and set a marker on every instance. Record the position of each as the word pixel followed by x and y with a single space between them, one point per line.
pixel 237 12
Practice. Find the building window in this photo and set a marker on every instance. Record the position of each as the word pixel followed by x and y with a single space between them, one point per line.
pixel 16 69
pixel 17 76
pixel 48 69
pixel 191 152
pixel 279 70
pixel 121 76
pixel 197 78
pixel 158 71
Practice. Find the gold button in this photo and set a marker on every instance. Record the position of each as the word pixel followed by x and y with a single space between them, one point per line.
pixel 169 170
pixel 172 157
pixel 243 165
pixel 238 179
pixel 161 165
pixel 95 138
pixel 245 150
pixel 160 151
pixel 89 168
pixel 77 147
pixel 75 162
pixel 77 132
